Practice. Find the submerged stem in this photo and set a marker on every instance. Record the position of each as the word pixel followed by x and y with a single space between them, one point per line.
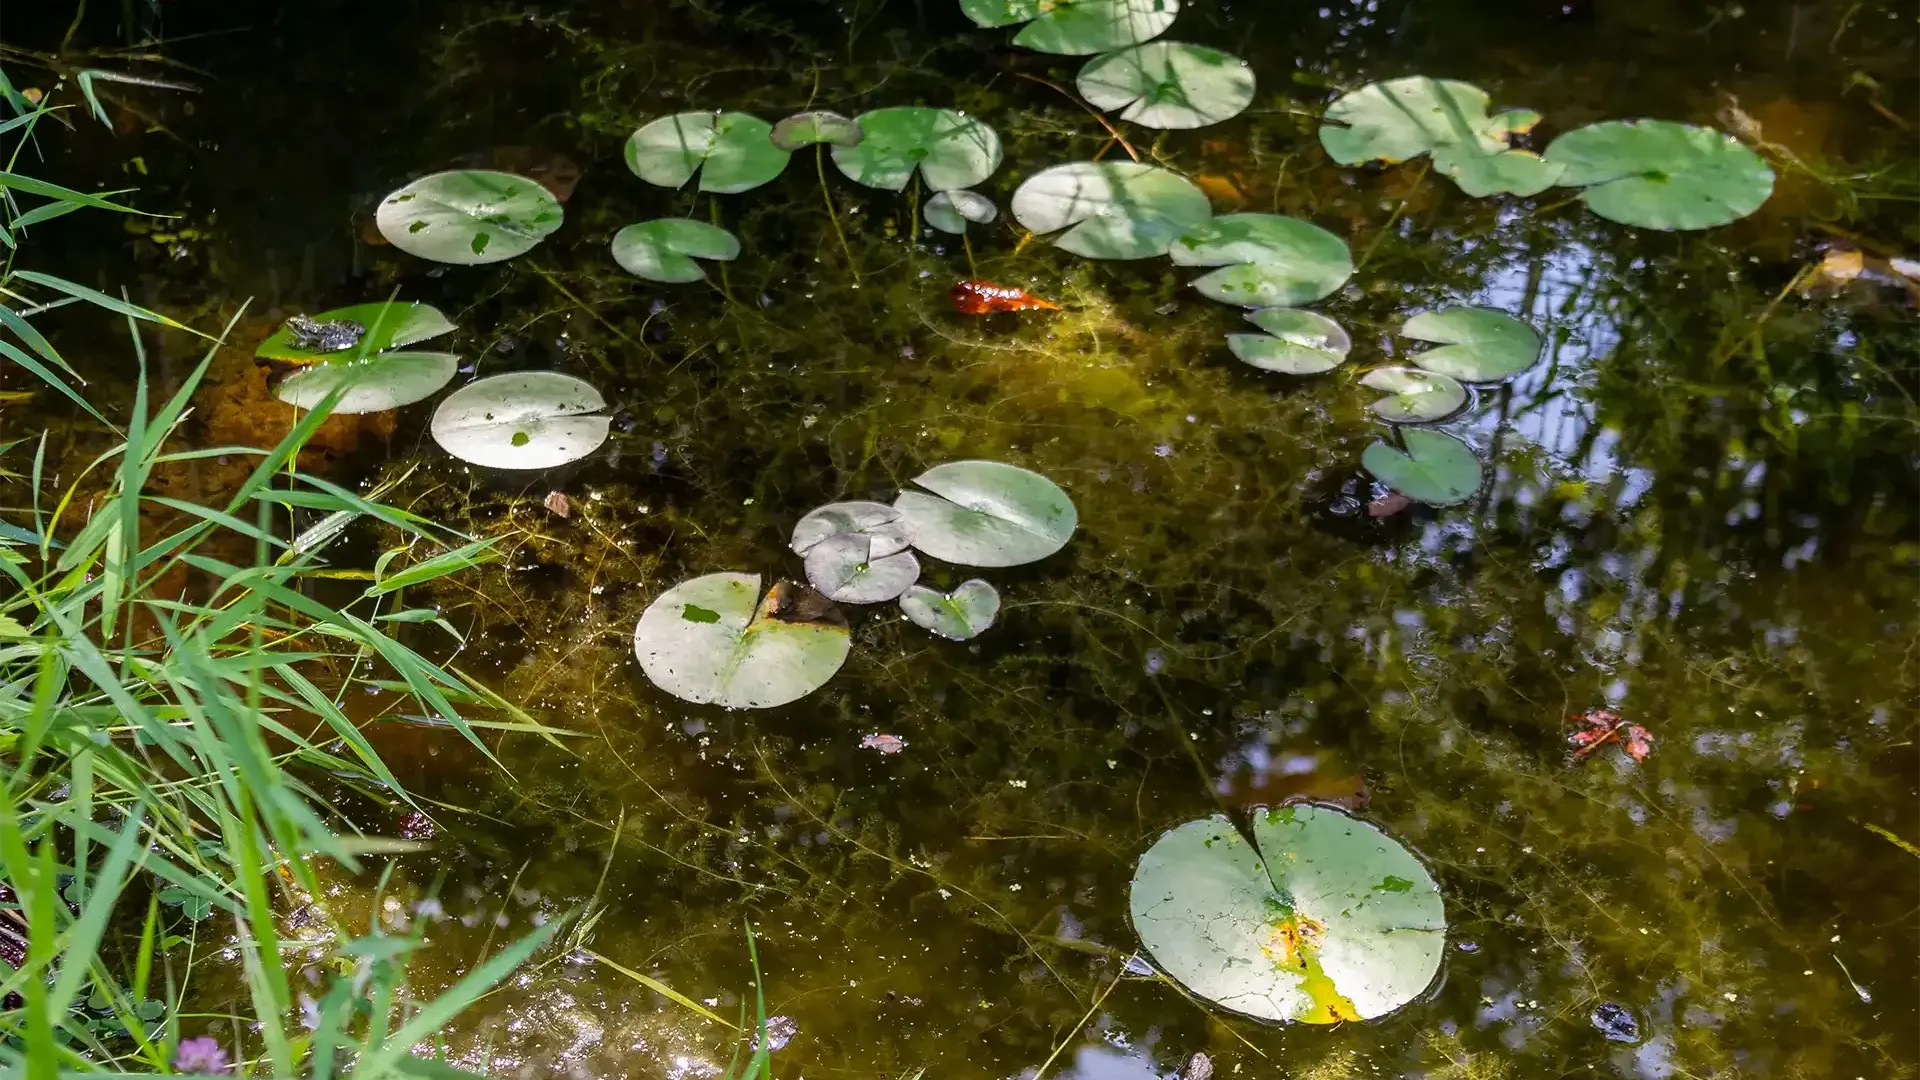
pixel 826 195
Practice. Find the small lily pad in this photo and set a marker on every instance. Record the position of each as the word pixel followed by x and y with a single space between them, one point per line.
pixel 1168 84
pixel 715 640
pixel 388 325
pixel 964 613
pixel 1435 468
pixel 1110 209
pixel 468 216
pixel 732 151
pixel 522 420
pixel 950 211
pixel 1419 397
pixel 845 568
pixel 664 250
pixel 807 128
pixel 986 513
pixel 877 521
pixel 1661 175
pixel 1076 27
pixel 1477 345
pixel 1266 260
pixel 1295 343
pixel 380 382
pixel 951 150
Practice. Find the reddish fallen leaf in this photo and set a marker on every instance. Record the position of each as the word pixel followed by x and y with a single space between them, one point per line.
pixel 1388 505
pixel 986 298
pixel 1599 727
pixel 557 502
pixel 886 744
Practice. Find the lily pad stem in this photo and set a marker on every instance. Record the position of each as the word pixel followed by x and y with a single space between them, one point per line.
pixel 1091 111
pixel 1388 227
pixel 1091 1009
pixel 826 195
pixel 713 215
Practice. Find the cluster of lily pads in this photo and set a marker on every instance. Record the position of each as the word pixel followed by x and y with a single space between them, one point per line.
pixel 716 639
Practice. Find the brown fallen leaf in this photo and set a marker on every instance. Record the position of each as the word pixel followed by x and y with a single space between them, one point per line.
pixel 557 502
pixel 886 744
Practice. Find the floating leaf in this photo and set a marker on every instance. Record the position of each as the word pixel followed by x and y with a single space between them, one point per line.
pixel 380 382
pixel 664 250
pixel 949 211
pixel 1478 345
pixel 846 568
pixel 1661 175
pixel 1329 920
pixel 1419 397
pixel 806 128
pixel 877 521
pixel 388 325
pixel 964 613
pixel 1435 468
pixel 1295 343
pixel 950 149
pixel 468 216
pixel 715 640
pixel 1403 118
pixel 732 151
pixel 1265 259
pixel 987 514
pixel 1516 172
pixel 1169 84
pixel 1110 209
pixel 522 420
pixel 1076 27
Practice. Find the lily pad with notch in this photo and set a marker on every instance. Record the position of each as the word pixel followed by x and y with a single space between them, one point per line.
pixel 1076 27
pixel 875 520
pixel 1418 397
pixel 665 250
pixel 732 151
pixel 522 420
pixel 385 325
pixel 1400 119
pixel 1477 345
pixel 1265 260
pixel 950 211
pixel 1295 343
pixel 1168 84
pixel 1658 174
pixel 715 640
pixel 986 513
pixel 950 149
pixel 376 383
pixel 1110 209
pixel 964 613
pixel 855 568
pixel 1435 468
pixel 468 216
pixel 818 126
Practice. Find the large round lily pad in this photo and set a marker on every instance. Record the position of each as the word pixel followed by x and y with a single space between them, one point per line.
pixel 951 150
pixel 1076 27
pixel 376 383
pixel 732 151
pixel 986 513
pixel 1415 396
pixel 1168 84
pixel 715 640
pixel 1478 345
pixel 468 216
pixel 522 420
pixel 1295 343
pixel 1110 209
pixel 855 568
pixel 964 613
pixel 384 324
pixel 664 250
pixel 1435 468
pixel 1266 260
pixel 1329 920
pixel 1661 175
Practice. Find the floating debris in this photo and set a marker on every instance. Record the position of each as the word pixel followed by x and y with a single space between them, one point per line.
pixel 886 744
pixel 780 1031
pixel 557 502
pixel 1199 1067
pixel 1616 1022
pixel 1601 726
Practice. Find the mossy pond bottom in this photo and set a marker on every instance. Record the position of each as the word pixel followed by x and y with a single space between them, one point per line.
pixel 1700 514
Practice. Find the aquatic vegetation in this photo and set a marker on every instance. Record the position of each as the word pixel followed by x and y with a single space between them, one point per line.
pixel 522 420
pixel 1477 345
pixel 1295 343
pixel 951 211
pixel 665 250
pixel 1076 27
pixel 986 298
pixel 1401 119
pixel 716 640
pixel 468 216
pixel 817 126
pixel 1110 209
pixel 383 325
pixel 986 513
pixel 1168 84
pixel 1419 397
pixel 1265 260
pixel 948 150
pixel 877 521
pixel 1434 468
pixel 966 612
pixel 855 568
pixel 373 371
pixel 1657 174
pixel 731 151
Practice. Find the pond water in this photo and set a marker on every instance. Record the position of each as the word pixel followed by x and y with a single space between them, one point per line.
pixel 1700 514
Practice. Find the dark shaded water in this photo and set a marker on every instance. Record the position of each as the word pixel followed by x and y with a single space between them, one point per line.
pixel 1703 515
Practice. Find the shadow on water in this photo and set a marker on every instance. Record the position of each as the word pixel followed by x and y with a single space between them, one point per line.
pixel 1702 515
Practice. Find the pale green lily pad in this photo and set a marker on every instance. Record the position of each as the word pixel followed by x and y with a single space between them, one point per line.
pixel 1477 345
pixel 1076 27
pixel 877 521
pixel 1435 468
pixel 1661 175
pixel 950 211
pixel 1110 209
pixel 1295 343
pixel 1330 920
pixel 388 325
pixel 715 641
pixel 664 250
pixel 964 613
pixel 820 126
pixel 1515 172
pixel 986 513
pixel 1419 397
pixel 522 420
pixel 468 216
pixel 377 383
pixel 1168 84
pixel 732 151
pixel 1401 119
pixel 1266 260
pixel 951 150
pixel 847 569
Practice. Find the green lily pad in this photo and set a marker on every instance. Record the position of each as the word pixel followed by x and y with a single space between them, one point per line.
pixel 522 420
pixel 1401 119
pixel 387 325
pixel 1661 175
pixel 949 211
pixel 1329 920
pixel 964 613
pixel 986 513
pixel 877 521
pixel 1110 209
pixel 1168 84
pixel 377 383
pixel 732 151
pixel 664 250
pixel 715 640
pixel 1515 172
pixel 820 126
pixel 1295 343
pixel 846 568
pixel 1076 27
pixel 468 216
pixel 1266 260
pixel 951 150
pixel 1477 345
pixel 1436 469
pixel 1419 397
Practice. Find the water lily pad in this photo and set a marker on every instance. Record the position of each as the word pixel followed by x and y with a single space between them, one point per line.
pixel 1477 345
pixel 1661 175
pixel 1168 84
pixel 522 420
pixel 1265 259
pixel 1295 343
pixel 845 568
pixel 376 383
pixel 1076 27
pixel 878 522
pixel 1419 397
pixel 715 640
pixel 1110 209
pixel 732 151
pixel 949 211
pixel 820 126
pixel 1435 468
pixel 1516 172
pixel 986 513
pixel 1329 920
pixel 388 325
pixel 951 150
pixel 964 613
pixel 664 250
pixel 1401 119
pixel 468 216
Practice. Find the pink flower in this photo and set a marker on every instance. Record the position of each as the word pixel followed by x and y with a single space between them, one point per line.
pixel 202 1055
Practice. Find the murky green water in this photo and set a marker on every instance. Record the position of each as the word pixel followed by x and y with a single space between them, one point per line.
pixel 1702 516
